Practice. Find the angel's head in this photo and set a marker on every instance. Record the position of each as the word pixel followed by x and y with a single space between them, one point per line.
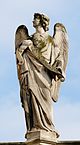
pixel 41 20
pixel 59 27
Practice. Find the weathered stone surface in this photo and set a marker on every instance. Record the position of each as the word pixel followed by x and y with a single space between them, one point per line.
pixel 41 62
pixel 41 137
pixel 58 143
pixel 68 143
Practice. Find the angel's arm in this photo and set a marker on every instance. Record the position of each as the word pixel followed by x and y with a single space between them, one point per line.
pixel 21 42
pixel 26 44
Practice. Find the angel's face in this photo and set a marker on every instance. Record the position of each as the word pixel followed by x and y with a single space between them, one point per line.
pixel 36 22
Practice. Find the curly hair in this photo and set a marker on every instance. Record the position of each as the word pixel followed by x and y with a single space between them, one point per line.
pixel 44 20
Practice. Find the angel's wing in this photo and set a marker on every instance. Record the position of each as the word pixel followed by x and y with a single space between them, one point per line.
pixel 20 35
pixel 60 39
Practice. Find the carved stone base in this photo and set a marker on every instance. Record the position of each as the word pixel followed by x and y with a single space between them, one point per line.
pixel 41 138
pixel 58 143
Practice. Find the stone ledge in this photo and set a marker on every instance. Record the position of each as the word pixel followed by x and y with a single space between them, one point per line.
pixel 69 142
pixel 59 143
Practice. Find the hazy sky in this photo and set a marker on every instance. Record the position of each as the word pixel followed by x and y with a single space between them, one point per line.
pixel 67 109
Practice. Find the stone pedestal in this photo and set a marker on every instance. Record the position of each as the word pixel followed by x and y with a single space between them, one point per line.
pixel 41 138
pixel 58 143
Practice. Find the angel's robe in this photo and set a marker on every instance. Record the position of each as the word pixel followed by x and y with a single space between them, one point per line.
pixel 38 84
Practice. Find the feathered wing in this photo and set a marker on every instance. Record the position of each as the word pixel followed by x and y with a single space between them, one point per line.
pixel 60 39
pixel 20 35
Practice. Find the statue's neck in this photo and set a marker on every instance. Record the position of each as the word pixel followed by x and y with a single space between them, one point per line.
pixel 40 30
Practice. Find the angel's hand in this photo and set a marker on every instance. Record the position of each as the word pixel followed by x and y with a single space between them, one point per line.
pixel 61 76
pixel 62 79
pixel 27 43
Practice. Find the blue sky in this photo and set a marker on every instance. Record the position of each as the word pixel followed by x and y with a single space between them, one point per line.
pixel 67 109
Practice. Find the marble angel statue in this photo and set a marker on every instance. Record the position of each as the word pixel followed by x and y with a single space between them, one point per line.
pixel 41 64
